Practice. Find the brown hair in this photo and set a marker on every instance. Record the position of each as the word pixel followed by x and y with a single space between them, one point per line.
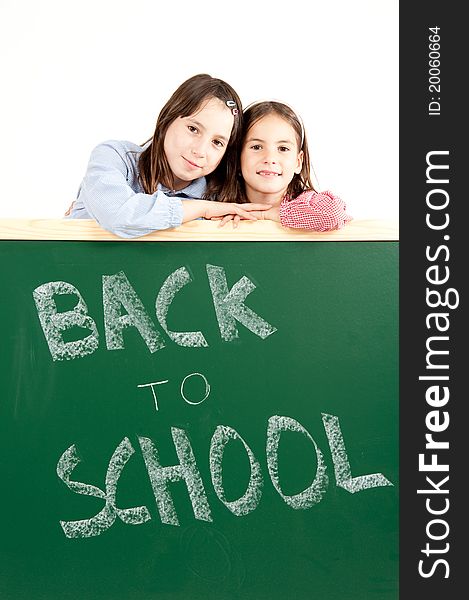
pixel 253 113
pixel 187 99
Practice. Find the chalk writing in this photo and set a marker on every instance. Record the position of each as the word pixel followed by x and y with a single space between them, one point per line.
pixel 54 324
pixel 343 473
pixel 207 389
pixel 173 284
pixel 117 293
pixel 143 385
pixel 250 499
pixel 184 397
pixel 229 306
pixel 119 296
pixel 187 470
pixel 106 517
pixel 314 493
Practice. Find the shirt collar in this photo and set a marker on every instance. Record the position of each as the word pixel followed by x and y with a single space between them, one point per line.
pixel 195 189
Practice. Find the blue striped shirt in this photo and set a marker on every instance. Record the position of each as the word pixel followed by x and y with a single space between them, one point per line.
pixel 111 194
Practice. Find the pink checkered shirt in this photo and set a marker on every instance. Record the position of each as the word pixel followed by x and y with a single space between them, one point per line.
pixel 317 211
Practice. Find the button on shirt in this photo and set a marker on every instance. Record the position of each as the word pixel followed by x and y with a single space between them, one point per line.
pixel 111 194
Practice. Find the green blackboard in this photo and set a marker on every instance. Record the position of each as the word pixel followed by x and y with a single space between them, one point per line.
pixel 199 420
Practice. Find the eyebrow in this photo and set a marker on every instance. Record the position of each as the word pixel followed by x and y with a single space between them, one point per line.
pixel 201 126
pixel 263 141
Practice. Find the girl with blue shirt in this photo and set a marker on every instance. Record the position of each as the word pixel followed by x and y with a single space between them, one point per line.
pixel 191 160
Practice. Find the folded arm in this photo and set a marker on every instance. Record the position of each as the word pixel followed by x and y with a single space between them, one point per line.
pixel 109 198
pixel 314 211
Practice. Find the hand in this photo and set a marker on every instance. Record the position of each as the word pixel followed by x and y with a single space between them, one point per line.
pixel 248 211
pixel 69 209
pixel 207 209
pixel 271 213
pixel 235 219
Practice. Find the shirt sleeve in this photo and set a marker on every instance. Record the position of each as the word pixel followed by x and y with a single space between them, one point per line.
pixel 111 201
pixel 314 211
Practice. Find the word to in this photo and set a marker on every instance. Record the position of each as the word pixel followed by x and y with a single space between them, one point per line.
pixel 183 395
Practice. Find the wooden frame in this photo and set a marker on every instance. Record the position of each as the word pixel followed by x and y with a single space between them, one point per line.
pixel 201 231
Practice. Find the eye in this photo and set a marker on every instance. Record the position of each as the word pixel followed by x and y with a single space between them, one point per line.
pixel 192 129
pixel 219 143
pixel 284 149
pixel 256 147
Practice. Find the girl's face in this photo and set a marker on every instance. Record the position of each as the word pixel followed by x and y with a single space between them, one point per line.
pixel 195 145
pixel 270 157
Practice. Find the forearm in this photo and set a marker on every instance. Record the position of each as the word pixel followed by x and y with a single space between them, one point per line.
pixel 314 211
pixel 106 196
pixel 132 215
pixel 193 209
pixel 269 214
pixel 273 214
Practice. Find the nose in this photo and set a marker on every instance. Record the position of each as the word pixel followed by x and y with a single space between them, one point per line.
pixel 269 157
pixel 199 150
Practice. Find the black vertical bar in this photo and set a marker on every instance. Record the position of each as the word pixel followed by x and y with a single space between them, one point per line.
pixel 432 235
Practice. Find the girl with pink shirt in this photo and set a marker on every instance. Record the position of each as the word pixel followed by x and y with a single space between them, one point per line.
pixel 275 171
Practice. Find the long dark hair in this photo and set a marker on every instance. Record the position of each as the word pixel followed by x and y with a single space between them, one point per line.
pixel 253 113
pixel 187 99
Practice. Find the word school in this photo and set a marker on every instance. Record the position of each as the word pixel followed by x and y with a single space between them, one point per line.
pixel 160 476
pixel 119 294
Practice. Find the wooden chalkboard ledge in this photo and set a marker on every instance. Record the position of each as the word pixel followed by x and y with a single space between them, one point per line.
pixel 87 229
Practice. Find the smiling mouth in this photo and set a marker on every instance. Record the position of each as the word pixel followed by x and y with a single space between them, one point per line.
pixel 192 164
pixel 268 173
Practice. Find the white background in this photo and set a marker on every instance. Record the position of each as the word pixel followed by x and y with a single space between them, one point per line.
pixel 77 73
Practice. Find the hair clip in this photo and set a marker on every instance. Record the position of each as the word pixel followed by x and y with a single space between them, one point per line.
pixel 232 104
